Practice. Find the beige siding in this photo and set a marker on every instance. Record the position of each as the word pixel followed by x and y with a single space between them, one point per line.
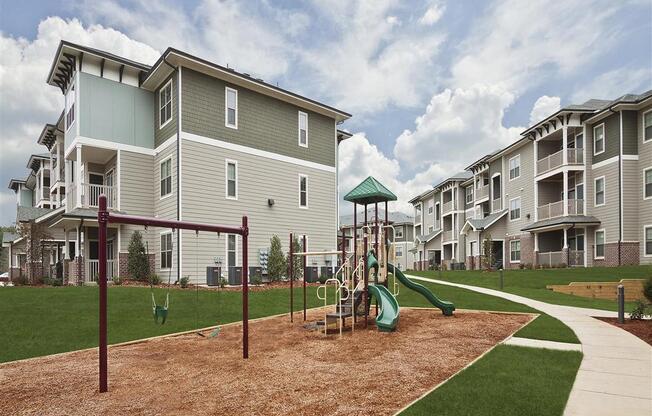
pixel 644 206
pixel 136 193
pixel 203 199
pixel 632 191
pixel 521 187
pixel 608 213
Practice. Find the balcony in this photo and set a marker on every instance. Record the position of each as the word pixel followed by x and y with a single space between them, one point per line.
pixel 93 270
pixel 496 205
pixel 556 160
pixel 481 192
pixel 90 196
pixel 556 209
pixel 551 258
pixel 447 207
pixel 447 235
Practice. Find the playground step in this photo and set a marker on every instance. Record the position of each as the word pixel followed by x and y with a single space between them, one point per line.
pixel 337 315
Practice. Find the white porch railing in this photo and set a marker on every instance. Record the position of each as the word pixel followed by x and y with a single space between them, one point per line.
pixel 481 192
pixel 576 258
pixel 575 156
pixel 91 195
pixel 447 207
pixel 447 235
pixel 93 270
pixel 556 209
pixel 551 258
pixel 497 204
pixel 555 160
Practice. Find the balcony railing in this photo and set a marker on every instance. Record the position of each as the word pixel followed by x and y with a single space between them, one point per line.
pixel 556 209
pixel 447 235
pixel 497 204
pixel 551 258
pixel 447 207
pixel 93 270
pixel 481 192
pixel 91 195
pixel 576 258
pixel 555 160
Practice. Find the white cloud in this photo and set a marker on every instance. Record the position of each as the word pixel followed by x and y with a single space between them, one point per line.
pixel 613 84
pixel 458 125
pixel 543 107
pixel 432 15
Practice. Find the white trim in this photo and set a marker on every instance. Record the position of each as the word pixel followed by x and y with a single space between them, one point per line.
pixel 604 139
pixel 605 162
pixel 171 140
pixel 604 191
pixel 118 176
pixel 301 113
pixel 227 162
pixel 257 152
pixel 520 208
pixel 226 108
pixel 160 126
pixel 645 198
pixel 510 250
pixel 509 170
pixel 630 157
pixel 302 176
pixel 160 179
pixel 643 127
pixel 595 245
pixel 105 144
pixel 226 253
pixel 645 227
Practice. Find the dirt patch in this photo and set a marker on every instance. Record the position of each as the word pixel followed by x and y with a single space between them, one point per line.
pixel 291 370
pixel 641 328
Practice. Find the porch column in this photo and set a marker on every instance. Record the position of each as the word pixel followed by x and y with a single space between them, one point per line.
pixel 78 179
pixel 66 255
pixel 42 186
pixel 564 145
pixel 565 252
pixel 565 187
pixel 535 259
pixel 77 239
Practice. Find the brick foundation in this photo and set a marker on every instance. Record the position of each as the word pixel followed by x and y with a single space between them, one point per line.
pixel 528 257
pixel 123 264
pixel 629 255
pixel 473 263
pixel 75 275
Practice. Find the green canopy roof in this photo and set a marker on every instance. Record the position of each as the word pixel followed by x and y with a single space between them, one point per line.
pixel 370 191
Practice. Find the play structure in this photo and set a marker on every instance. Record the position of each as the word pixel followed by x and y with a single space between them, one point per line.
pixel 104 218
pixel 373 255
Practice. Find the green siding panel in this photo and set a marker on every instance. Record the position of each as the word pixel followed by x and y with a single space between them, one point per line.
pixel 117 112
pixel 612 138
pixel 264 122
pixel 630 132
pixel 26 199
pixel 170 129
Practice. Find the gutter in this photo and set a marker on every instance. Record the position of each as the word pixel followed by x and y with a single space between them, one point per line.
pixel 620 181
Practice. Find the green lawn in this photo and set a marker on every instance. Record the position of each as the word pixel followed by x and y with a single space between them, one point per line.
pixel 508 381
pixel 532 283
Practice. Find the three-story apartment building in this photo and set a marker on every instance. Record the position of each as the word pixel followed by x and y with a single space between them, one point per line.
pixel 183 139
pixel 575 190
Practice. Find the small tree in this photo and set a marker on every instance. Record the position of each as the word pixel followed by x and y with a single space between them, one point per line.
pixel 36 237
pixel 276 264
pixel 137 261
pixel 487 252
pixel 297 267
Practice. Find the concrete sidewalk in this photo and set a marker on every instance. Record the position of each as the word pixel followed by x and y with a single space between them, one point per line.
pixel 615 376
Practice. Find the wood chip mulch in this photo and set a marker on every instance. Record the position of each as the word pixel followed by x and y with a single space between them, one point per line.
pixel 291 370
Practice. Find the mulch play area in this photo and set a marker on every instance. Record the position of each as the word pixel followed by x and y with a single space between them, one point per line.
pixel 291 370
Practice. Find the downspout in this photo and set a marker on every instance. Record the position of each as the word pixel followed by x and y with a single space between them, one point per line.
pixel 620 182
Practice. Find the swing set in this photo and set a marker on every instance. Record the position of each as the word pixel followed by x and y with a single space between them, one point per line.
pixel 104 217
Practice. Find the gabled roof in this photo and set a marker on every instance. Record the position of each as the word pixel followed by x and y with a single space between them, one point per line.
pixel 34 162
pixel 569 219
pixel 460 176
pixel 481 224
pixel 26 214
pixel 421 195
pixel 394 217
pixel 48 136
pixel 8 237
pixel 370 191
pixel 426 238
pixel 13 183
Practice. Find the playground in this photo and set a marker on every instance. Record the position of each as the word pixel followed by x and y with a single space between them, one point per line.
pixel 290 369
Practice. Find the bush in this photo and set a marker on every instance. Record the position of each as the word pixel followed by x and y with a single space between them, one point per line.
pixel 137 261
pixel 154 280
pixel 647 289
pixel 256 279
pixel 185 280
pixel 20 281
pixel 117 280
pixel 297 267
pixel 323 278
pixel 276 263
pixel 639 311
pixel 52 281
pixel 222 281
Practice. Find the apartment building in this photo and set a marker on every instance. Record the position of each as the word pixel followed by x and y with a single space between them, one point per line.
pixel 183 139
pixel 403 225
pixel 575 190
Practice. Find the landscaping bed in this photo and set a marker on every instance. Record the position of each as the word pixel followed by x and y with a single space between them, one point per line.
pixel 290 369
pixel 642 328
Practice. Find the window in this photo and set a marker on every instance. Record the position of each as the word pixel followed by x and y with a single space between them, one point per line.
pixel 70 107
pixel 647 183
pixel 231 110
pixel 231 250
pixel 437 212
pixel 303 191
pixel 430 207
pixel 515 209
pixel 303 129
pixel 514 167
pixel 399 232
pixel 231 179
pixel 599 244
pixel 515 251
pixel 166 177
pixel 473 248
pixel 166 250
pixel 469 194
pixel 598 139
pixel 165 104
pixel 431 228
pixel 599 191
pixel 399 251
pixel 647 126
pixel 647 230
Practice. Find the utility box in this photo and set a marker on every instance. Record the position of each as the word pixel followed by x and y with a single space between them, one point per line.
pixel 255 271
pixel 213 274
pixel 326 272
pixel 311 274
pixel 235 275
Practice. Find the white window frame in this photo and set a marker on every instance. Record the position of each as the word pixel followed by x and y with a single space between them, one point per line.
pixel 398 251
pixel 161 125
pixel 468 196
pixel 604 191
pixel 644 172
pixel 301 113
pixel 226 252
pixel 520 208
pixel 160 179
pixel 643 126
pixel 595 243
pixel 301 176
pixel 511 260
pixel 226 108
pixel 160 250
pixel 472 247
pixel 509 167
pixel 431 207
pixel 399 233
pixel 645 253
pixel 70 107
pixel 227 162
pixel 604 139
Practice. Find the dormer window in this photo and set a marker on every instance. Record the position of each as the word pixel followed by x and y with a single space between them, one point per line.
pixel 165 104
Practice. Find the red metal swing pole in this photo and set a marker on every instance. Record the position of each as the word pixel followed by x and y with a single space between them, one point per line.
pixel 291 273
pixel 305 265
pixel 245 287
pixel 102 220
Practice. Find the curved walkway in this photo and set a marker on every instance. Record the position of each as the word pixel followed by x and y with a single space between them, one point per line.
pixel 615 376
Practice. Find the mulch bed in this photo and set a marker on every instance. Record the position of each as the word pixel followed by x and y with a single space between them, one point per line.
pixel 641 328
pixel 291 370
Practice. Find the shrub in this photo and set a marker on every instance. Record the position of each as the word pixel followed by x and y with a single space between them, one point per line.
pixel 137 261
pixel 20 281
pixel 323 278
pixel 297 267
pixel 222 281
pixel 647 289
pixel 276 263
pixel 117 280
pixel 639 311
pixel 154 279
pixel 52 281
pixel 184 282
pixel 256 279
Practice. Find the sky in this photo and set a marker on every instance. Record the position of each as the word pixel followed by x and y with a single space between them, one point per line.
pixel 432 85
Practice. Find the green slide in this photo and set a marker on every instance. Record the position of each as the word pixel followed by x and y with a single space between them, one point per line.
pixel 446 307
pixel 387 319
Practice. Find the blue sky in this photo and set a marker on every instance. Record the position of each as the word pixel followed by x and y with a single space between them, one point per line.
pixel 432 84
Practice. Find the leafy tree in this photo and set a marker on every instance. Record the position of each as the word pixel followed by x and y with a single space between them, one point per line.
pixel 36 238
pixel 276 264
pixel 487 252
pixel 647 289
pixel 137 261
pixel 297 269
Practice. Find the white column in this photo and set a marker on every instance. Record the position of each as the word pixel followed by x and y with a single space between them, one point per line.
pixel 66 255
pixel 564 145
pixel 565 187
pixel 536 241
pixel 78 179
pixel 536 186
pixel 565 237
pixel 77 241
pixel 41 173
